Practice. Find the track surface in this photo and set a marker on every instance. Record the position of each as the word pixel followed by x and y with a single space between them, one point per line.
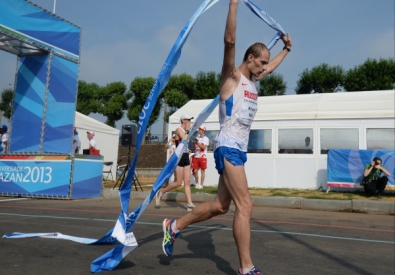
pixel 284 241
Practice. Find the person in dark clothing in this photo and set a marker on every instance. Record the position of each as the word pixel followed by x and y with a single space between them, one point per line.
pixel 373 181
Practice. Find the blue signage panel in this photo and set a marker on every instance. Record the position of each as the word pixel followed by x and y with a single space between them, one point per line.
pixel 60 113
pixel 35 178
pixel 346 167
pixel 35 25
pixel 87 177
pixel 29 101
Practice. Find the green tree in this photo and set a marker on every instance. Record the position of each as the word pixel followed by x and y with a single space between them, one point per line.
pixel 178 91
pixel 371 75
pixel 140 88
pixel 182 88
pixel 112 101
pixel 183 83
pixel 207 85
pixel 87 97
pixel 6 102
pixel 321 79
pixel 272 84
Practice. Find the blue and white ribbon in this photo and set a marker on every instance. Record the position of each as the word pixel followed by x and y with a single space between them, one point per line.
pixel 55 235
pixel 125 222
pixel 106 261
pixel 264 16
pixel 268 20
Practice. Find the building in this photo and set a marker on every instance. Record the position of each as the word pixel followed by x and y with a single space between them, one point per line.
pixel 291 135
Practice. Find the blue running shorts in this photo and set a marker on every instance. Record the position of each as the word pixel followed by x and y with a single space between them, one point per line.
pixel 234 156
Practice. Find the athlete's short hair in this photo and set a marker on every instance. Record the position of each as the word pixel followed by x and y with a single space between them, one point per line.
pixel 255 49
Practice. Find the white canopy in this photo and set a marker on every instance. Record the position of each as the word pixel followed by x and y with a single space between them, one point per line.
pixel 371 104
pixel 106 137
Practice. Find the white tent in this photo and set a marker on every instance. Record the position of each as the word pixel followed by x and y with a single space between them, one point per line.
pixel 351 120
pixel 106 137
pixel 370 104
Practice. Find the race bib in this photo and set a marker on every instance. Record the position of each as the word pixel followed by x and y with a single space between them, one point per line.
pixel 249 107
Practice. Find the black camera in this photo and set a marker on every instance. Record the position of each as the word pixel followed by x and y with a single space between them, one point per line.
pixel 377 163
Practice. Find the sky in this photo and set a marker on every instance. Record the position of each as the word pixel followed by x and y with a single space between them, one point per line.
pixel 124 39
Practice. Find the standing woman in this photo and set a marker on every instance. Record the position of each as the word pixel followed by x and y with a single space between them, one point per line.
pixel 183 170
pixel 171 145
pixel 92 142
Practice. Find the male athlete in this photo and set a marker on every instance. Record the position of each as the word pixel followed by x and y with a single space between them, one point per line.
pixel 237 108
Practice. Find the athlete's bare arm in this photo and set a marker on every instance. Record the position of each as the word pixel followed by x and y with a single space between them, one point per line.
pixel 275 62
pixel 230 74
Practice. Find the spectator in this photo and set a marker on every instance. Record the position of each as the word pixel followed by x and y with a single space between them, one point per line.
pixel 4 139
pixel 149 137
pixel 171 145
pixel 183 170
pixel 199 159
pixel 372 177
pixel 76 146
pixel 307 145
pixel 92 142
pixel 146 139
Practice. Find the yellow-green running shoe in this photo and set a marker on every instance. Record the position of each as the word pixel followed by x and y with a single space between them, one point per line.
pixel 169 236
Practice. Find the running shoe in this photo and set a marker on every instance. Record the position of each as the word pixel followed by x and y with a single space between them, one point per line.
pixel 190 207
pixel 157 198
pixel 253 271
pixel 169 237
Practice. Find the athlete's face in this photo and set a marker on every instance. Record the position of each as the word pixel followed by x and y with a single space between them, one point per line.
pixel 187 123
pixel 258 65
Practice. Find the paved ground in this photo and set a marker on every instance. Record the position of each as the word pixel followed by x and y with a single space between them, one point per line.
pixel 284 241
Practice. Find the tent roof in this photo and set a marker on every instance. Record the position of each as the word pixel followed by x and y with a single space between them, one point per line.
pixel 370 104
pixel 86 122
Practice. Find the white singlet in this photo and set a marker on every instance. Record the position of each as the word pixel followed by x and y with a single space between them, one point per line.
pixel 185 150
pixel 199 153
pixel 236 115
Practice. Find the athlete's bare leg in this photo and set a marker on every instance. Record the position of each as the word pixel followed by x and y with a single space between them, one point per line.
pixel 177 181
pixel 187 183
pixel 232 186
pixel 207 210
pixel 236 181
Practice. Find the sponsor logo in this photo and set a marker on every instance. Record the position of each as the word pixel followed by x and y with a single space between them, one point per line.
pixel 244 84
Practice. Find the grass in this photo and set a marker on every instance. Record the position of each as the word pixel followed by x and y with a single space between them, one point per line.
pixel 147 183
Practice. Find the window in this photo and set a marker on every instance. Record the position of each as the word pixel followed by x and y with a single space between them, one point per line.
pixel 260 141
pixel 339 139
pixel 380 138
pixel 295 141
pixel 211 136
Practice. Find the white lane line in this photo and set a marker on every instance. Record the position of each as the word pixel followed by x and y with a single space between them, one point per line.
pixel 207 227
